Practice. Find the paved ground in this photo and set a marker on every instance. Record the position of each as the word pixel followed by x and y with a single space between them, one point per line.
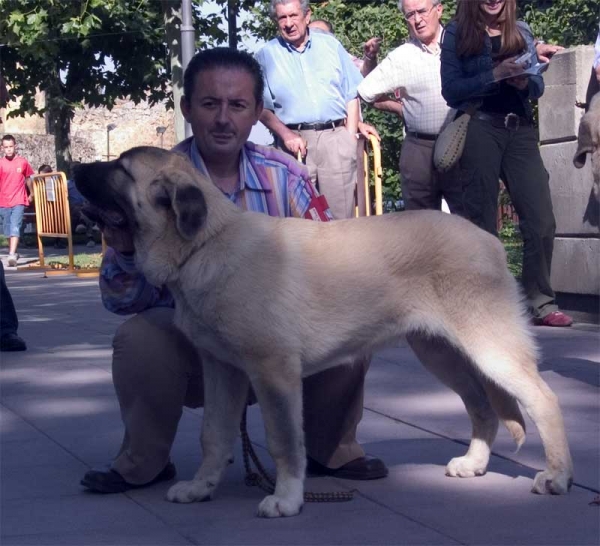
pixel 59 417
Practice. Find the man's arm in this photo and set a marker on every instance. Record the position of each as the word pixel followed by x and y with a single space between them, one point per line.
pixel 353 115
pixel 123 288
pixel 386 104
pixel 370 52
pixel 292 141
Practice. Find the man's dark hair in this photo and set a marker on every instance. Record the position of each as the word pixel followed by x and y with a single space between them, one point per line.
pixel 45 168
pixel 223 57
pixel 10 138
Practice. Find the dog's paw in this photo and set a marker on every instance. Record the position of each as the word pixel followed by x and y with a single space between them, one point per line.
pixel 276 507
pixel 465 467
pixel 554 483
pixel 190 491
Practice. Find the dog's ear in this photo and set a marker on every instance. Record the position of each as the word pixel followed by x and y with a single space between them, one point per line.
pixel 178 191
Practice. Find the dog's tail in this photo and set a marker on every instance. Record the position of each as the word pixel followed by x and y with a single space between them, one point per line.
pixel 508 411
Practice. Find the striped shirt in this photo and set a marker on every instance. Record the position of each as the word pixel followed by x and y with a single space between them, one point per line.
pixel 271 182
pixel 412 73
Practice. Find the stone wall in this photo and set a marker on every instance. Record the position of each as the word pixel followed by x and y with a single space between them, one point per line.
pixel 135 126
pixel 576 261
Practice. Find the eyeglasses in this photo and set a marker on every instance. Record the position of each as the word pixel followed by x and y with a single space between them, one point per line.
pixel 422 13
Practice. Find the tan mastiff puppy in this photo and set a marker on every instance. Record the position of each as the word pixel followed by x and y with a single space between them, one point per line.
pixel 269 300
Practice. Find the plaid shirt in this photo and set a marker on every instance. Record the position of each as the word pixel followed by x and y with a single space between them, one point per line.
pixel 271 182
pixel 412 73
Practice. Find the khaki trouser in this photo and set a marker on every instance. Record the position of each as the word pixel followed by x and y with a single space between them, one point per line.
pixel 422 185
pixel 156 372
pixel 331 162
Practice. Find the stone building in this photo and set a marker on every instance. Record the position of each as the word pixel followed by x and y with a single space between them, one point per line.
pixel 134 125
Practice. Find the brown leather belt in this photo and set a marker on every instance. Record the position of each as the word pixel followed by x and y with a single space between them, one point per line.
pixel 316 126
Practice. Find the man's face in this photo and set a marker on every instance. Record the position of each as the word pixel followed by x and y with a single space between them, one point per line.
pixel 221 111
pixel 8 147
pixel 423 19
pixel 292 22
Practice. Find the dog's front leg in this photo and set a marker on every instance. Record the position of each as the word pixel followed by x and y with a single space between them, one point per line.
pixel 225 396
pixel 279 392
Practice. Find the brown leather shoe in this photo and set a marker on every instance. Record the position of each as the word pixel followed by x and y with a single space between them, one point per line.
pixel 363 468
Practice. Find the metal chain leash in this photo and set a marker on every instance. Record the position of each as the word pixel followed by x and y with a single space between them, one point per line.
pixel 262 479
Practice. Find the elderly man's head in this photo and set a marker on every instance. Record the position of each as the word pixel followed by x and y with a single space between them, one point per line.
pixel 422 18
pixel 292 18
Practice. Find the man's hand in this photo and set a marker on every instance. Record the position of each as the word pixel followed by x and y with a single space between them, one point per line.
pixel 546 51
pixel 120 240
pixel 295 143
pixel 371 47
pixel 367 130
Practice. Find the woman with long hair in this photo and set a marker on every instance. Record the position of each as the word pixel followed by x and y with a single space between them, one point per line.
pixel 485 51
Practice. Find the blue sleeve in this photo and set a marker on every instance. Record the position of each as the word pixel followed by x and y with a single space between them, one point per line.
pixel 456 86
pixel 261 58
pixel 125 290
pixel 352 75
pixel 536 83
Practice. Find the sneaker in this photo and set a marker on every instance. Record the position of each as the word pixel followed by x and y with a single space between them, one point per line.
pixel 91 243
pixel 80 229
pixel 12 260
pixel 556 318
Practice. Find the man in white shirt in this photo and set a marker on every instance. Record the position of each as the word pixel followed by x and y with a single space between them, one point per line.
pixel 412 73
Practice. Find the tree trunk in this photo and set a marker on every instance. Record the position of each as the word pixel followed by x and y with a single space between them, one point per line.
pixel 172 18
pixel 232 23
pixel 59 124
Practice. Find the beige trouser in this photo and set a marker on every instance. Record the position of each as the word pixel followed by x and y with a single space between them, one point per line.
pixel 156 372
pixel 331 162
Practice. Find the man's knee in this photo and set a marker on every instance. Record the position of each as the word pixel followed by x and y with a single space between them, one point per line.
pixel 150 339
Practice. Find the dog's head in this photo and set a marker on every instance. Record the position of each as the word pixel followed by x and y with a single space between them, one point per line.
pixel 155 196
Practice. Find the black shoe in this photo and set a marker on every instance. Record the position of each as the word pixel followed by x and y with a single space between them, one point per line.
pixel 12 342
pixel 363 468
pixel 107 480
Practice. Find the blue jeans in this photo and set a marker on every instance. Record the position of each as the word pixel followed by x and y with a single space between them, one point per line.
pixel 12 218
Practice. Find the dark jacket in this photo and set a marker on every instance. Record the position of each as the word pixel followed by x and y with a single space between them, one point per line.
pixel 467 79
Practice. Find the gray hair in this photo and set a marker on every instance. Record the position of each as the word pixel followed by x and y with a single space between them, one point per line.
pixel 401 4
pixel 304 5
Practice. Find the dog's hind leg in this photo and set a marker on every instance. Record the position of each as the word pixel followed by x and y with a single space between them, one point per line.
pixel 451 367
pixel 225 396
pixel 280 398
pixel 504 351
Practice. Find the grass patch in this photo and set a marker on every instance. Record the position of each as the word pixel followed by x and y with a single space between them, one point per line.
pixel 82 261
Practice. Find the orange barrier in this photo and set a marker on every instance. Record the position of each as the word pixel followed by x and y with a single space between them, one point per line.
pixel 52 215
pixel 363 197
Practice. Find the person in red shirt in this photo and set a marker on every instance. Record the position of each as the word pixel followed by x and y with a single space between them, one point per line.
pixel 14 171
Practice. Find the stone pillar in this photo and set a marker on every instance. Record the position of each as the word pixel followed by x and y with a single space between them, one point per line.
pixel 576 261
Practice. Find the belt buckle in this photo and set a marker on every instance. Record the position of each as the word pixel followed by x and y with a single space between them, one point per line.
pixel 511 121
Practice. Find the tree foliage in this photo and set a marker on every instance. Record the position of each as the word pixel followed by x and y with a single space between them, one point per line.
pixel 90 52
